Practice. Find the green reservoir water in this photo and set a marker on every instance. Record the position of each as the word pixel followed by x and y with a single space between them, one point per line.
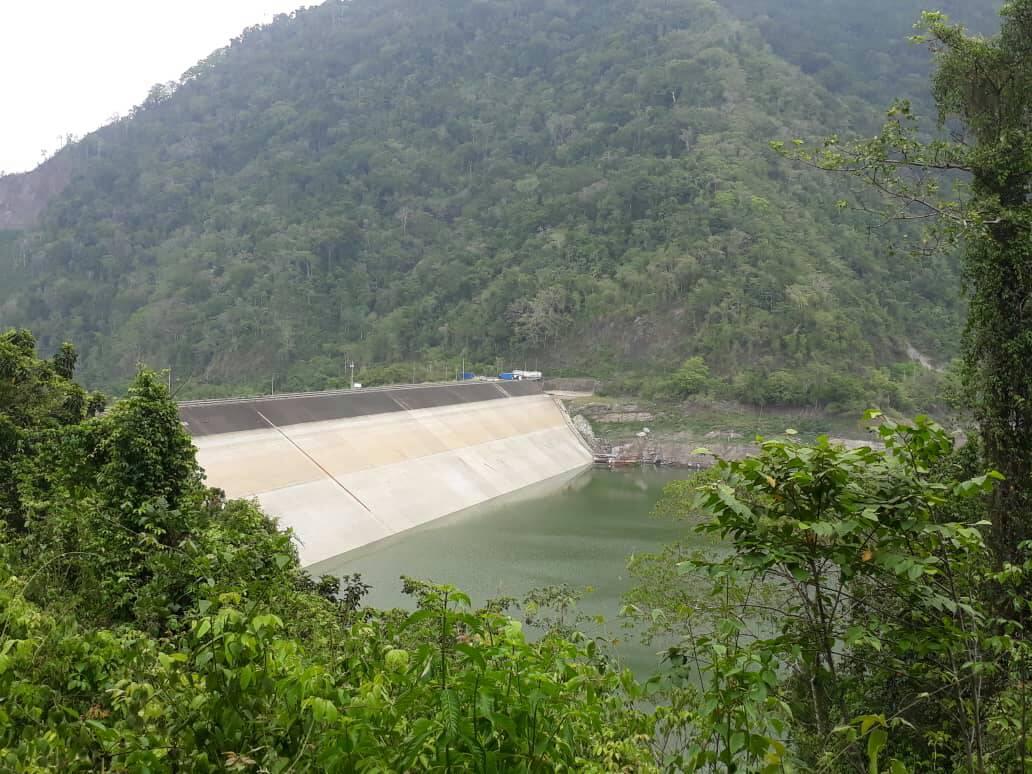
pixel 578 530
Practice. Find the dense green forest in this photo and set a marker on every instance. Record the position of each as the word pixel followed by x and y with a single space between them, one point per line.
pixel 856 610
pixel 147 624
pixel 581 186
pixel 858 49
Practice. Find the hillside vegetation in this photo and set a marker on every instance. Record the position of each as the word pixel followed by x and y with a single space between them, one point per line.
pixel 860 49
pixel 857 609
pixel 149 624
pixel 584 185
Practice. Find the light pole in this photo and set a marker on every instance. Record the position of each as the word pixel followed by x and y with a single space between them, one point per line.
pixel 351 365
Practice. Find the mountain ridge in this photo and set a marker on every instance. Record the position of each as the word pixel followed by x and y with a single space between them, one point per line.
pixel 583 184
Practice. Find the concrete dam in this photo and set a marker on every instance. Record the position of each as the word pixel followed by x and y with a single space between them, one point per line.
pixel 347 468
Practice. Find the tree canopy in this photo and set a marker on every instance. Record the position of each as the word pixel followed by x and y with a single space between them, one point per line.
pixel 973 187
pixel 148 624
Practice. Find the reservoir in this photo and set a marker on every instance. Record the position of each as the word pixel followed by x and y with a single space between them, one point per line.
pixel 577 529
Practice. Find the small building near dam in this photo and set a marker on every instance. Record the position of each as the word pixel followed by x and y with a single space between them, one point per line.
pixel 348 468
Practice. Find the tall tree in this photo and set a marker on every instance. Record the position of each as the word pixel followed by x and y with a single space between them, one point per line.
pixel 976 185
pixel 986 84
pixel 36 396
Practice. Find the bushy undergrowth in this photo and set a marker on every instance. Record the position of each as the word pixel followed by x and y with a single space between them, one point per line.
pixel 852 618
pixel 147 624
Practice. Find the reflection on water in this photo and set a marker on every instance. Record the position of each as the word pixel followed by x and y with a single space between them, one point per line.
pixel 578 530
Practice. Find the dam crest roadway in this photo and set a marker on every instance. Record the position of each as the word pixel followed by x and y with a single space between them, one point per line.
pixel 347 468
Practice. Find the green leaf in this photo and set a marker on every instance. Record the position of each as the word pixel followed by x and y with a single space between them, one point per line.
pixel 203 628
pixel 323 710
pixel 419 615
pixel 727 496
pixel 737 741
pixel 867 722
pixel 875 743
pixel 472 654
pixel 461 598
pixel 449 703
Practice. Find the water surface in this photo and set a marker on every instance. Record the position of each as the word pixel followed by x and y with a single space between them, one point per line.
pixel 578 530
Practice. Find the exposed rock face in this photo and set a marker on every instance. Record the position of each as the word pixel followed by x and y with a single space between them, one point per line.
pixel 583 385
pixel 853 443
pixel 23 197
pixel 629 416
pixel 616 413
pixel 584 428
pixel 729 435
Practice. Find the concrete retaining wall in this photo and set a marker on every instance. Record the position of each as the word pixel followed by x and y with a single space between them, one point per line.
pixel 346 469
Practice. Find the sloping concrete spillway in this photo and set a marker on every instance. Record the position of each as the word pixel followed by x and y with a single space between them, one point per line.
pixel 345 469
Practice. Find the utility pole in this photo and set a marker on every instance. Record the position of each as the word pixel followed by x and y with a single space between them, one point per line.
pixel 352 366
pixel 274 384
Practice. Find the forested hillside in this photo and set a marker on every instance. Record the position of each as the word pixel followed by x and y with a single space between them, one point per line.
pixel 830 609
pixel 860 49
pixel 582 184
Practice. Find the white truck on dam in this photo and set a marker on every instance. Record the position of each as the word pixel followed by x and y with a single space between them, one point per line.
pixel 521 376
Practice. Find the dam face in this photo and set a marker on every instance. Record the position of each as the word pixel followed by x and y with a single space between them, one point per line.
pixel 344 469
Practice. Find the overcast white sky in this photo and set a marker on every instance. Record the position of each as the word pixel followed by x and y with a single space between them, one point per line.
pixel 68 65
